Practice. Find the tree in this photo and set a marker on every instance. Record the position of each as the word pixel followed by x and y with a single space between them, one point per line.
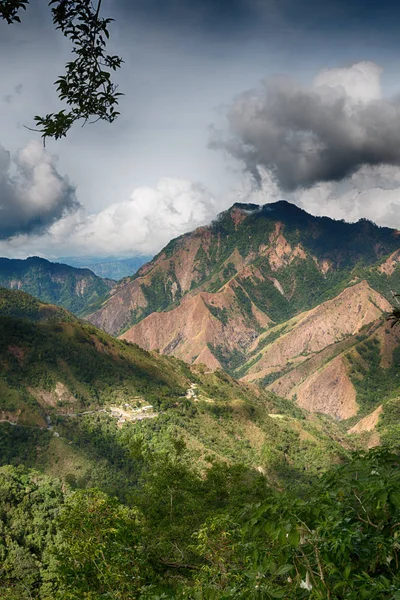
pixel 86 87
pixel 340 542
pixel 97 554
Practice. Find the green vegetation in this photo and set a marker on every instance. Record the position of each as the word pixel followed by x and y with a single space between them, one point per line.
pixel 74 289
pixel 86 87
pixel 167 289
pixel 57 370
pixel 21 305
pixel 374 384
pixel 94 367
pixel 227 492
pixel 219 313
pixel 226 535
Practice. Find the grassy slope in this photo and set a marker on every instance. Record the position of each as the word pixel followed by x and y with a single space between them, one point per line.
pixel 18 304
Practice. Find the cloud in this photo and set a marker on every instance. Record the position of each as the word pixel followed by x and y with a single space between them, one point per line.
pixel 324 132
pixel 33 195
pixel 371 192
pixel 143 224
pixel 152 216
pixel 149 219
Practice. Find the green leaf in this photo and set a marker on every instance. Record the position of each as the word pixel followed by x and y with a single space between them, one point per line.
pixel 284 569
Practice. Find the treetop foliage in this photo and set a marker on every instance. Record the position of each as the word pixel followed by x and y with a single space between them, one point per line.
pixel 86 87
pixel 222 536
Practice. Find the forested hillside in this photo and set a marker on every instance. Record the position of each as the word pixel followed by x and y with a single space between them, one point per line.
pixel 71 288
pixel 67 387
pixel 156 479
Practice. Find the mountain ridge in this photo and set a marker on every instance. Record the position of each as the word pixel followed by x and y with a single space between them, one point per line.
pixel 214 294
pixel 197 259
pixel 72 288
pixel 111 267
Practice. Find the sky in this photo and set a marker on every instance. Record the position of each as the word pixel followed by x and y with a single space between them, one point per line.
pixel 224 101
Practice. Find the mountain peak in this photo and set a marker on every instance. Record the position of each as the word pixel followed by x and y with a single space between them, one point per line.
pixel 281 210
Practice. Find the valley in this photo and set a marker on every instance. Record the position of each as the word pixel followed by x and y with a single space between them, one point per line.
pixel 239 388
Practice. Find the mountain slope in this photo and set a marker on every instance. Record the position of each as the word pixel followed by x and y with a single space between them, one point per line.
pixel 270 294
pixel 20 305
pixel 201 323
pixel 73 401
pixel 299 359
pixel 74 289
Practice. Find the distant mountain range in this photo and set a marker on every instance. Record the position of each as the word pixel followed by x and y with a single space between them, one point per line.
pixel 74 289
pixel 274 296
pixel 111 267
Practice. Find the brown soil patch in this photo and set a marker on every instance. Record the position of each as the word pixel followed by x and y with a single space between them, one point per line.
pixel 325 325
pixel 390 263
pixel 329 391
pixel 368 423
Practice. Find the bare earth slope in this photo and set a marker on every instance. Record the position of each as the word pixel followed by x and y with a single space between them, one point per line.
pixel 189 330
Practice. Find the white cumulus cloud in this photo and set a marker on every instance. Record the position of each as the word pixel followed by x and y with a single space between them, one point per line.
pixel 143 224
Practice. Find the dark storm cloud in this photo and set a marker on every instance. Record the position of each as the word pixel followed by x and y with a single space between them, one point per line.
pixel 306 135
pixel 32 193
pixel 226 16
pixel 196 14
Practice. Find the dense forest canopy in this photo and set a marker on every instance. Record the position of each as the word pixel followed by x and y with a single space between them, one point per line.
pixel 183 535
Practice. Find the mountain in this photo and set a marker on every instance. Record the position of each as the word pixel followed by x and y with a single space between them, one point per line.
pixel 109 268
pixel 276 260
pixel 271 294
pixel 71 288
pixel 73 400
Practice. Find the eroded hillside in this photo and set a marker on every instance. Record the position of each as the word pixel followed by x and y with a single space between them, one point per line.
pixel 270 294
pixel 282 259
